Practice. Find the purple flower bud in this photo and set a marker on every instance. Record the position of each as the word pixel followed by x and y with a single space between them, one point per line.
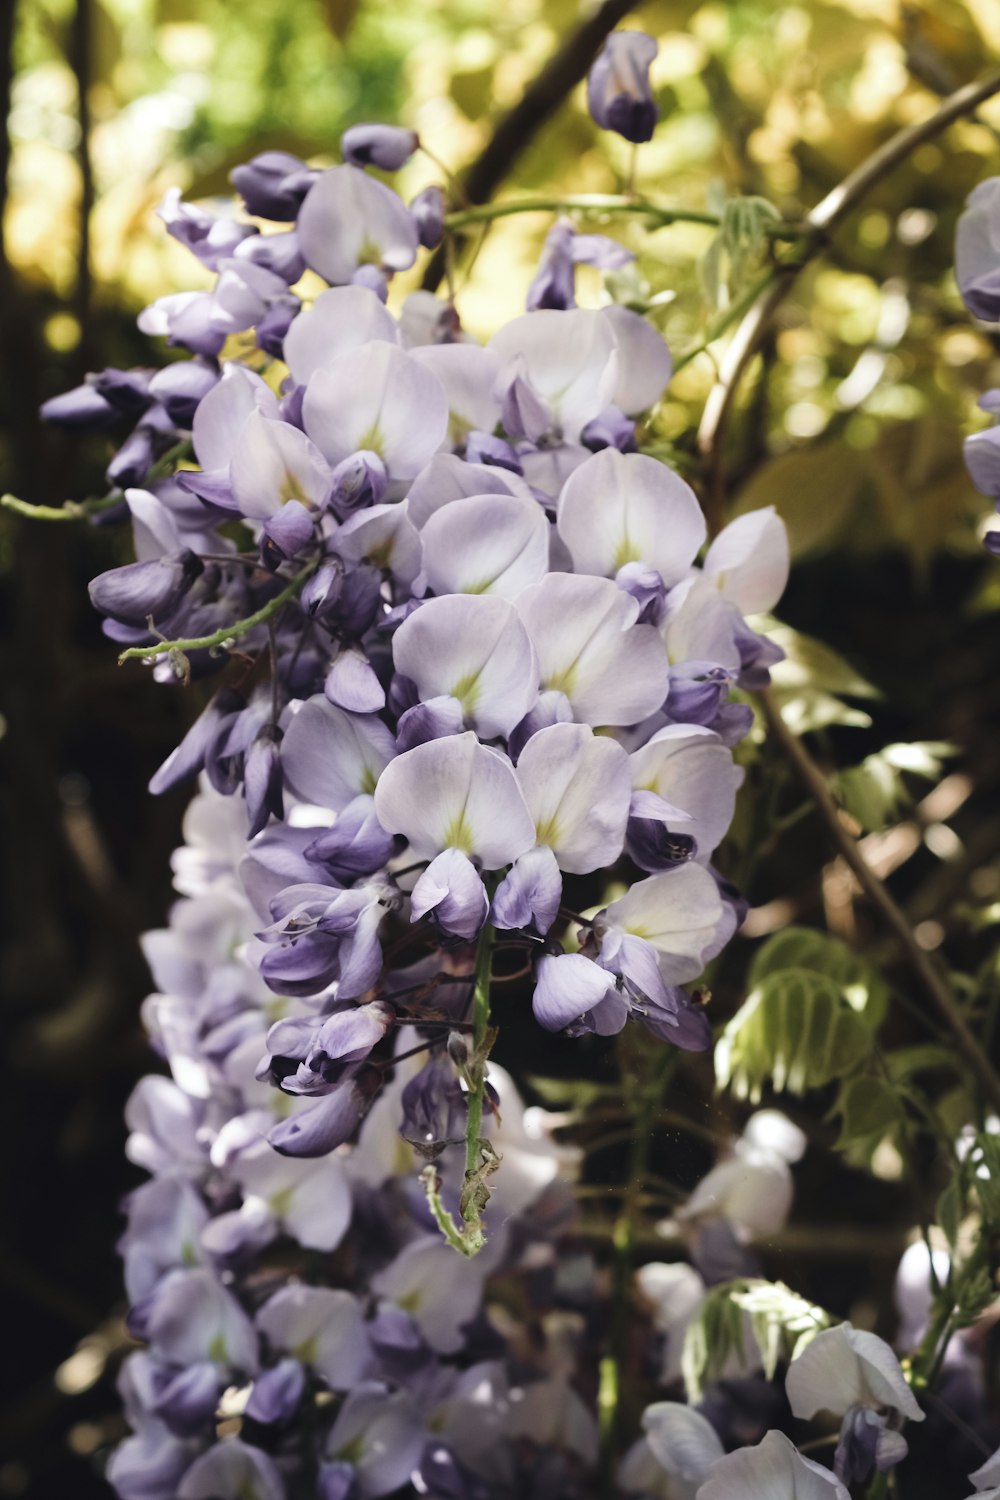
pixel 322 590
pixel 611 429
pixel 349 1035
pixel 484 448
pixel 188 1401
pixel 428 209
pixel 522 412
pixel 387 147
pixel 279 253
pixel 273 185
pixel 554 285
pixel 209 237
pixel 286 534
pixel 434 1108
pixel 358 603
pixel 432 720
pixel 277 1392
pixel 672 1017
pixel 154 434
pixel 648 838
pixel 351 684
pixel 647 589
pixel 127 390
pixel 322 1127
pixel 262 782
pixel 181 386
pixel 189 756
pixel 303 967
pixel 551 707
pixel 82 409
pixel 757 656
pixel 357 844
pixel 358 481
pixel 618 91
pixel 134 593
pixel 530 893
pixel 862 1448
pixel 452 893
pixel 275 323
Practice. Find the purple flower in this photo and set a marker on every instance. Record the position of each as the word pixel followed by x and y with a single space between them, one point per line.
pixel 451 892
pixel 388 147
pixel 273 184
pixel 977 251
pixel 428 210
pixel 618 92
pixel 145 590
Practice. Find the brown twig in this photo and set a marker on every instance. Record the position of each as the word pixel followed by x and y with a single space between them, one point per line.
pixel 564 70
pixel 819 223
pixel 934 984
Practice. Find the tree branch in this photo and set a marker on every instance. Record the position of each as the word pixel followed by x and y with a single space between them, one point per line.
pixel 564 70
pixel 820 221
pixel 934 984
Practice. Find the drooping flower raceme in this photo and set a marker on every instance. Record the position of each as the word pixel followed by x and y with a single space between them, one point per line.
pixel 491 664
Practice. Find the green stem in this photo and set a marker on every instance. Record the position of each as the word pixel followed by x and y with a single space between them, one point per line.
pixel 80 510
pixel 477 1071
pixel 599 203
pixel 726 319
pixel 228 633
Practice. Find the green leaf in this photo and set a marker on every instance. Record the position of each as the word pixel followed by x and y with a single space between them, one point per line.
pixel 983 1166
pixel 871 1108
pixel 875 792
pixel 812 680
pixel 572 1093
pixel 924 1057
pixel 795 1031
pixel 715 1338
pixel 804 948
pixel 950 1208
pixel 781 1323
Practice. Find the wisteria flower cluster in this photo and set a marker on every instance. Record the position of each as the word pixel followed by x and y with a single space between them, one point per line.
pixel 475 683
pixel 477 653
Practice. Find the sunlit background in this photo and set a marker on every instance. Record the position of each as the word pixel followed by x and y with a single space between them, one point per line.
pixel 851 424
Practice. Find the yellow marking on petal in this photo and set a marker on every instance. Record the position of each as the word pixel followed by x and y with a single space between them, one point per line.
pixel 466 690
pixel 291 490
pixel 380 556
pixel 306 1351
pixel 563 681
pixel 368 781
pixel 458 834
pixel 217 1351
pixel 548 832
pixel 372 440
pixel 281 1201
pixel 626 552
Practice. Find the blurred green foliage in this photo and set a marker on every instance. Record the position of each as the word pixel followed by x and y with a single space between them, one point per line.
pixel 868 382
